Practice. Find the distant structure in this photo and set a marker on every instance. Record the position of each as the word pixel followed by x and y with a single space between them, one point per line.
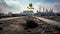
pixel 10 14
pixel 2 15
pixel 43 9
pixel 51 12
pixel 39 9
pixel 27 13
pixel 45 12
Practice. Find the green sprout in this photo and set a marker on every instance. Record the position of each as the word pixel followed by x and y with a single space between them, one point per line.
pixel 31 7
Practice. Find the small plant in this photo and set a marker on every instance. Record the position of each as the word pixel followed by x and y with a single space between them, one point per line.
pixel 31 8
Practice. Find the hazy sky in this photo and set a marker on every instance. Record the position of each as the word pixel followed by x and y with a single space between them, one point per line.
pixel 17 6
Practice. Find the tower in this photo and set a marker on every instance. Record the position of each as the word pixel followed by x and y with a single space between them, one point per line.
pixel 39 9
pixel 43 9
pixel 46 10
pixel 10 13
pixel 51 12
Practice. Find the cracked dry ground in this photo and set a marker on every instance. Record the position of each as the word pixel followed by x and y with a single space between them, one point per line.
pixel 14 26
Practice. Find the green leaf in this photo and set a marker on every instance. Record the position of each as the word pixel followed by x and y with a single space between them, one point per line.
pixel 32 8
pixel 30 5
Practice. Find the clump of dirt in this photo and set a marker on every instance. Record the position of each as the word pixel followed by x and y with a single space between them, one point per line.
pixel 30 24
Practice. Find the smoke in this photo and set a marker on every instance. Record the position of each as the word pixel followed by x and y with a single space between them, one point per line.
pixel 54 6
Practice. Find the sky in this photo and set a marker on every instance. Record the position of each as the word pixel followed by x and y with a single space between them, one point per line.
pixel 17 6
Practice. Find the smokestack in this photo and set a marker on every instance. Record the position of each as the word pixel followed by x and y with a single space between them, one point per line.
pixel 51 9
pixel 46 10
pixel 39 9
pixel 43 9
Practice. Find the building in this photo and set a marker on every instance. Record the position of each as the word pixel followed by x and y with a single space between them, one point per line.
pixel 10 14
pixel 27 13
pixel 2 15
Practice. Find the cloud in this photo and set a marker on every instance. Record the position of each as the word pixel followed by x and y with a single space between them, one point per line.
pixel 0 1
pixel 11 4
pixel 3 9
pixel 6 10
pixel 57 7
pixel 50 1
